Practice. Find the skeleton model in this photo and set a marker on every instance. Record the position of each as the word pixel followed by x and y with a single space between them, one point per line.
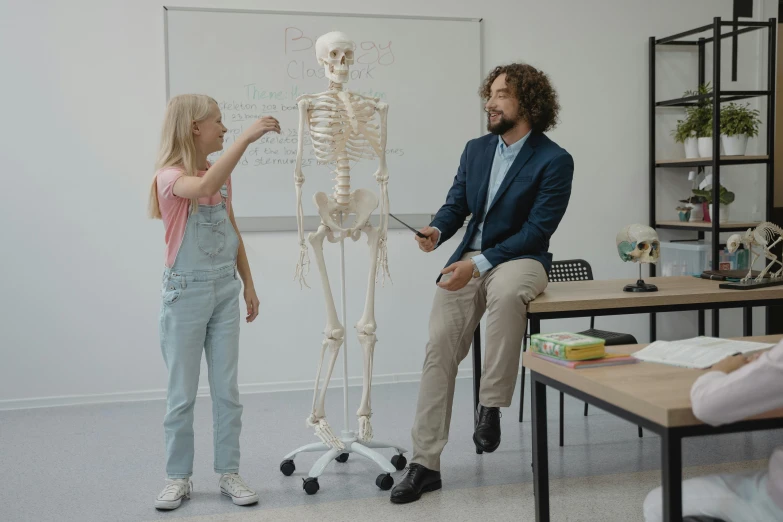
pixel 762 237
pixel 344 127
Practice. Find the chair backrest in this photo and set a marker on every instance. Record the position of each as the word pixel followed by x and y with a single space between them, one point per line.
pixel 570 270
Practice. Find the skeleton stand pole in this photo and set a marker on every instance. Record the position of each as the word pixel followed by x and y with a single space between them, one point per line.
pixel 349 437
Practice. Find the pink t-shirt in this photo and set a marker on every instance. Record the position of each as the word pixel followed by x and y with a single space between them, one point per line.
pixel 175 210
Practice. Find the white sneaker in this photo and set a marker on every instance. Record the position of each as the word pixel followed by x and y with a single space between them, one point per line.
pixel 172 495
pixel 232 485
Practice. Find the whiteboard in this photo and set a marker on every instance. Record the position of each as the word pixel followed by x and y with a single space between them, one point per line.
pixel 254 63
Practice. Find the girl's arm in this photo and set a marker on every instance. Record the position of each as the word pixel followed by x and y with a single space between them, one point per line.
pixel 243 266
pixel 757 387
pixel 190 187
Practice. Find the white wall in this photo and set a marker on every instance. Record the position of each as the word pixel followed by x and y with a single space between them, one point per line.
pixel 83 86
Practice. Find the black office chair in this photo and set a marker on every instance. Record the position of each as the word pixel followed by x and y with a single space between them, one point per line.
pixel 561 271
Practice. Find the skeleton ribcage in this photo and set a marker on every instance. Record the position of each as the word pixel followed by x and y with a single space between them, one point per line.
pixel 334 137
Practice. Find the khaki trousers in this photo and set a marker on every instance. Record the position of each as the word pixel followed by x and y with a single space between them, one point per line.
pixel 503 293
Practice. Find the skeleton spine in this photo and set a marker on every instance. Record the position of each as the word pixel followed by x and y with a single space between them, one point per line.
pixel 342 190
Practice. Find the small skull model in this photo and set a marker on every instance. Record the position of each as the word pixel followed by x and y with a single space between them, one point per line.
pixel 639 244
pixel 335 52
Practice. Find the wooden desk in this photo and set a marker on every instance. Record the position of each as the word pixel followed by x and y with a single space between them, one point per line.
pixel 651 395
pixel 606 297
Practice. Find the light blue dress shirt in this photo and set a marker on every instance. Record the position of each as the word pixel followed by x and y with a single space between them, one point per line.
pixel 504 158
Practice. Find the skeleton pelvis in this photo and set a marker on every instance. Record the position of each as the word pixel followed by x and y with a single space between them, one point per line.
pixel 361 205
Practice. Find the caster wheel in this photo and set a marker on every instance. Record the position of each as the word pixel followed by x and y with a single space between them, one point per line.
pixel 384 481
pixel 287 467
pixel 343 457
pixel 399 462
pixel 479 451
pixel 310 485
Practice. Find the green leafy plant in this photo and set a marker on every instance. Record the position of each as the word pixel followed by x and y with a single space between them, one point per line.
pixel 701 113
pixel 737 119
pixel 685 129
pixel 698 117
pixel 724 196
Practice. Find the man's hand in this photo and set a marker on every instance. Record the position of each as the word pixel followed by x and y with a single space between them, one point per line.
pixel 252 303
pixel 461 272
pixel 428 245
pixel 729 364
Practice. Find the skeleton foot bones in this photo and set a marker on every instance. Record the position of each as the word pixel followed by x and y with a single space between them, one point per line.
pixel 344 127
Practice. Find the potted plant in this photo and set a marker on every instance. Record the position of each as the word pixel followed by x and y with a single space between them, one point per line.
pixel 737 124
pixel 695 204
pixel 700 116
pixel 725 197
pixel 685 133
pixel 684 213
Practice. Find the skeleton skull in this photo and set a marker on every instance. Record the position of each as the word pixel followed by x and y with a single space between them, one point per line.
pixel 639 244
pixel 335 52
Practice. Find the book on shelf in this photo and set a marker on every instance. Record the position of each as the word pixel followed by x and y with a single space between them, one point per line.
pixel 568 346
pixel 608 359
pixel 697 352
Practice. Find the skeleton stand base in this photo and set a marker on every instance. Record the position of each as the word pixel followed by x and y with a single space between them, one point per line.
pixel 352 445
pixel 640 285
pixel 348 437
pixel 751 284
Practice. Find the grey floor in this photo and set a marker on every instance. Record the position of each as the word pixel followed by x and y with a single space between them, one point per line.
pixel 105 462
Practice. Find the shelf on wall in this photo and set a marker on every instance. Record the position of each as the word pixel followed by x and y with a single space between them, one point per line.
pixel 725 96
pixel 706 162
pixel 701 226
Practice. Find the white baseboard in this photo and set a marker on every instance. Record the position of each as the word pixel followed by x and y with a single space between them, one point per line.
pixel 203 391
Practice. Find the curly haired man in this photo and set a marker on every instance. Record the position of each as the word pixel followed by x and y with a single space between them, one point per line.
pixel 515 183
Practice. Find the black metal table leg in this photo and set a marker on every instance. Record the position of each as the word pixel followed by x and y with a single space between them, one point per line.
pixel 701 322
pixel 540 452
pixel 562 420
pixel 671 476
pixel 535 327
pixel 716 322
pixel 747 321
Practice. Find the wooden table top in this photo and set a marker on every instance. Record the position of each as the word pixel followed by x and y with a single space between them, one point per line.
pixel 658 392
pixel 608 293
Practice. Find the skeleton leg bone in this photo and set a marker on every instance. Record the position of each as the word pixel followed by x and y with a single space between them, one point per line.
pixel 334 334
pixel 366 331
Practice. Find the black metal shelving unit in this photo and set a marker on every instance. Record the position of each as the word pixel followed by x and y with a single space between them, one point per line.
pixel 718 96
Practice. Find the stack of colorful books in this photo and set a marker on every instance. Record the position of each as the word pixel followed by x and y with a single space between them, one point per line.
pixel 575 350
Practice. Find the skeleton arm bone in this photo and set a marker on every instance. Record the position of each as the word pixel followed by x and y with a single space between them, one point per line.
pixel 304 261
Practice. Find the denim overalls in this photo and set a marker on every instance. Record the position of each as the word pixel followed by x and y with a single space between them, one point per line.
pixel 200 311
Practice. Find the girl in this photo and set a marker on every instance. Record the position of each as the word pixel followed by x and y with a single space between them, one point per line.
pixel 738 387
pixel 200 291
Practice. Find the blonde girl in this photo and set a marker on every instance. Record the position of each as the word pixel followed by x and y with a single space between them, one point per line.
pixel 204 262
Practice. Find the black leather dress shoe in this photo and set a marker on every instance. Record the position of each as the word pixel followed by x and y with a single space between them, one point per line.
pixel 487 434
pixel 417 480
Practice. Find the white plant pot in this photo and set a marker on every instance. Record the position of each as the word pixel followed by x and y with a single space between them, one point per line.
pixel 724 213
pixel 691 148
pixel 705 147
pixel 697 212
pixel 735 145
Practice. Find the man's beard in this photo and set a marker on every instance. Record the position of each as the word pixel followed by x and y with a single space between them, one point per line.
pixel 502 126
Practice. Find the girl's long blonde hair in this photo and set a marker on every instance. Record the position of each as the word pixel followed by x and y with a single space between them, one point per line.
pixel 177 146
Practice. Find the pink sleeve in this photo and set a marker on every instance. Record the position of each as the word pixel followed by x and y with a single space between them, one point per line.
pixel 166 179
pixel 719 398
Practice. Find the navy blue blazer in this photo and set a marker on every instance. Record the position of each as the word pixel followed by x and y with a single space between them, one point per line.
pixel 526 210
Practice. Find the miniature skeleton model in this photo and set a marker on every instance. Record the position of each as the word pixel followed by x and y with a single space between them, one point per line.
pixel 761 237
pixel 344 127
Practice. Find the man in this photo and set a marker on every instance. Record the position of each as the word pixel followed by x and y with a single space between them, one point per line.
pixel 516 183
